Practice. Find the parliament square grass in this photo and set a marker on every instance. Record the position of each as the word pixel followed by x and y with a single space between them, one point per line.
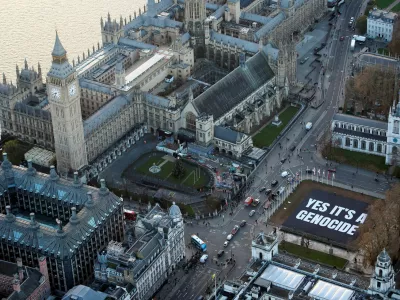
pixel 192 177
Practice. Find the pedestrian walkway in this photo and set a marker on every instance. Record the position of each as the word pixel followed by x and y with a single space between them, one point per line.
pixel 389 8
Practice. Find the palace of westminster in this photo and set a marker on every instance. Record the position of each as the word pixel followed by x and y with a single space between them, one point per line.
pixel 233 63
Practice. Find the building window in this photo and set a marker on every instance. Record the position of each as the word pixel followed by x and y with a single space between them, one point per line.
pixel 355 143
pixel 396 127
pixel 190 121
pixel 347 142
pixel 371 147
pixel 363 145
pixel 379 148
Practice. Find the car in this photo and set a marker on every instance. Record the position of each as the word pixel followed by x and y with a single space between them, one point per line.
pixel 229 237
pixel 256 202
pixel 284 174
pixel 332 170
pixel 352 19
pixel 262 189
pixel 252 213
pixel 200 298
pixel 226 243
pixel 304 60
pixel 220 253
pixel 235 229
pixel 292 148
pixel 274 183
pixel 342 38
pixel 283 160
pixel 309 171
pixel 243 223
pixel 267 192
pixel 203 258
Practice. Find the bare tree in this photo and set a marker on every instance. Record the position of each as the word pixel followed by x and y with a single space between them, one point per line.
pixel 381 228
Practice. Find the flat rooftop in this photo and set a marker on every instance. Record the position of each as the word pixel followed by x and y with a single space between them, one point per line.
pixel 145 64
pixel 281 277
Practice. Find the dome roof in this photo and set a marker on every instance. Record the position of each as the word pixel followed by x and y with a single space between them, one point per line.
pixel 384 257
pixel 174 211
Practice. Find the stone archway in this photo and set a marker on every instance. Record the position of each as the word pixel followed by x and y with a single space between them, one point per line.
pixel 190 121
pixel 223 151
pixel 216 149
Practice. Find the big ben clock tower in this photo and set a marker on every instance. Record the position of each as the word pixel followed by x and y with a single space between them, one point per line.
pixel 64 97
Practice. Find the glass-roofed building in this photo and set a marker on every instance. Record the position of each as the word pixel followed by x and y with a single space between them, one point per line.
pixel 67 222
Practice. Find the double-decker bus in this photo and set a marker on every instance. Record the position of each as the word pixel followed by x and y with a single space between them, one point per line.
pixel 129 215
pixel 198 243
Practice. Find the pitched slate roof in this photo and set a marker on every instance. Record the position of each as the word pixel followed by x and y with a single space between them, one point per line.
pixel 30 283
pixel 104 113
pixel 255 18
pixel 225 39
pixel 231 90
pixel 227 134
pixel 360 121
pixel 135 44
pixel 96 205
pixel 95 86
pixel 270 25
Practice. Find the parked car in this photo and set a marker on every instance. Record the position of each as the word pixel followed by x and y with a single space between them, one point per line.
pixel 235 229
pixel 267 192
pixel 284 174
pixel 243 223
pixel 274 183
pixel 252 213
pixel 229 237
pixel 226 243
pixel 203 258
pixel 283 160
pixel 256 202
pixel 292 148
pixel 262 189
pixel 220 253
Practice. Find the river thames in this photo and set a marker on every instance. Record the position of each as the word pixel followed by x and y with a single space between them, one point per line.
pixel 29 28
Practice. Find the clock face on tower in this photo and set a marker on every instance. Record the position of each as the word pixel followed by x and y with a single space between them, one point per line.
pixel 72 90
pixel 55 93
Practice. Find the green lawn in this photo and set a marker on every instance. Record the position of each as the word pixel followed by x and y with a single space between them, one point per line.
pixel 396 8
pixel 314 255
pixel 383 3
pixel 383 51
pixel 366 161
pixel 166 169
pixel 268 134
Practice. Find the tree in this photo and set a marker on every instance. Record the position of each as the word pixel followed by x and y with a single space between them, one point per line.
pixel 394 45
pixel 179 170
pixel 381 228
pixel 361 25
pixel 15 152
pixel 372 90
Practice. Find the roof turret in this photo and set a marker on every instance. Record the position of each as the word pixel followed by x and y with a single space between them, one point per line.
pixel 74 220
pixel 9 216
pixel 384 257
pixel 174 211
pixel 58 49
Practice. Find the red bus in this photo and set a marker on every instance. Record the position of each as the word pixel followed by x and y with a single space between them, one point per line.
pixel 129 215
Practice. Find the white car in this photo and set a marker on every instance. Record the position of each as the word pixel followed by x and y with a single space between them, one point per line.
pixel 226 243
pixel 229 237
pixel 284 174
pixel 252 213
pixel 203 258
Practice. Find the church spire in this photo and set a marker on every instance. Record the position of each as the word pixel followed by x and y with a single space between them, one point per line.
pixel 58 50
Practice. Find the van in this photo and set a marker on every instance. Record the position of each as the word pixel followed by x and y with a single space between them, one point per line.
pixel 229 237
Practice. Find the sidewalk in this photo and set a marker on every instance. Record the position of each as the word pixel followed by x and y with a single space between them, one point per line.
pixel 389 8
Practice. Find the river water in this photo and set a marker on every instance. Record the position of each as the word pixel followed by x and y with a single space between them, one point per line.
pixel 29 27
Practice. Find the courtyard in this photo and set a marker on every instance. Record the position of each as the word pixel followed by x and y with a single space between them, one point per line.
pixel 160 166
pixel 267 135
